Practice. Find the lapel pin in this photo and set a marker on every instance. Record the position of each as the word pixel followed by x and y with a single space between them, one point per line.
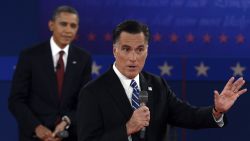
pixel 74 62
pixel 150 88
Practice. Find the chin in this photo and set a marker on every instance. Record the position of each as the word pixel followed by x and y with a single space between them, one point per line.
pixel 131 76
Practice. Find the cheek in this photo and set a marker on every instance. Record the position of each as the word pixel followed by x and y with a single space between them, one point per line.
pixel 57 33
pixel 122 61
pixel 121 58
pixel 74 31
pixel 142 59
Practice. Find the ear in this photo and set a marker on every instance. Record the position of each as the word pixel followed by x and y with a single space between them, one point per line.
pixel 147 51
pixel 114 50
pixel 51 25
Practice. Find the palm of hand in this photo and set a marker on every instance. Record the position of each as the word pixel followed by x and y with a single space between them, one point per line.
pixel 225 100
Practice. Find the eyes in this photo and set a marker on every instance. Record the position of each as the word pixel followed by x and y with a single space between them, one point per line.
pixel 139 50
pixel 65 24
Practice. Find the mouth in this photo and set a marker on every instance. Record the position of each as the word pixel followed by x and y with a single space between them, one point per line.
pixel 132 66
pixel 67 37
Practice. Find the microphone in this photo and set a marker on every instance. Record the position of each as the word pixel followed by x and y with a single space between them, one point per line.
pixel 63 134
pixel 143 98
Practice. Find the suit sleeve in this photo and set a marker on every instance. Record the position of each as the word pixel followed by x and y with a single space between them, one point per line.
pixel 90 123
pixel 18 100
pixel 184 115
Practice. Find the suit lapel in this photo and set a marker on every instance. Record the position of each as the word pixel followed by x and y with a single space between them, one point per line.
pixel 71 69
pixel 48 67
pixel 120 98
pixel 147 86
pixel 119 95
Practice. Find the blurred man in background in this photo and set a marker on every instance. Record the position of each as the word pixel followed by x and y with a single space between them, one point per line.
pixel 47 80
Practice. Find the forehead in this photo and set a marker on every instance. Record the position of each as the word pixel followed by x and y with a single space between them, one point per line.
pixel 132 39
pixel 67 17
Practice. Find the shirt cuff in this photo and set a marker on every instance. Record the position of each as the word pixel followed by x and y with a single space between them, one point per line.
pixel 67 120
pixel 220 121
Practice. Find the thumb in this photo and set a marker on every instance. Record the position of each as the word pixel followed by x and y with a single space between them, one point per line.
pixel 54 133
pixel 216 95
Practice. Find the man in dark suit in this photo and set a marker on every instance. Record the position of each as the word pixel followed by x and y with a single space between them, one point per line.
pixel 109 110
pixel 47 81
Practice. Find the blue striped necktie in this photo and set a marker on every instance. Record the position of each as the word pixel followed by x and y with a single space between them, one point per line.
pixel 135 95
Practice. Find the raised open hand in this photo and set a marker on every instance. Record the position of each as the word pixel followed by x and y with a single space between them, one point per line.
pixel 232 90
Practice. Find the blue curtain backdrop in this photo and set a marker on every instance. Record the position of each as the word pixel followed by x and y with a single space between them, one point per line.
pixel 196 45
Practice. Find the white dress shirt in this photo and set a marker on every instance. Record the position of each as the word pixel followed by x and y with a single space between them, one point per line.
pixel 55 49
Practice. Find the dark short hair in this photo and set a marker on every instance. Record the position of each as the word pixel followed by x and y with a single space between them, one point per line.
pixel 64 8
pixel 130 26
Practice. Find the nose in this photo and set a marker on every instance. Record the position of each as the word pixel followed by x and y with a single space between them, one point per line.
pixel 68 29
pixel 132 56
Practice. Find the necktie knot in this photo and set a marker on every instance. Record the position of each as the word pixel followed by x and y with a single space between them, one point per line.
pixel 61 53
pixel 133 84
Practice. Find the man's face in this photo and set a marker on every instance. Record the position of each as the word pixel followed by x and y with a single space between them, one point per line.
pixel 130 52
pixel 64 28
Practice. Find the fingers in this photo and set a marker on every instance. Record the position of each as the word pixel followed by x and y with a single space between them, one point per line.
pixel 54 134
pixel 140 118
pixel 229 95
pixel 145 113
pixel 234 85
pixel 229 83
pixel 237 85
pixel 60 127
pixel 216 94
pixel 42 132
pixel 239 93
pixel 142 115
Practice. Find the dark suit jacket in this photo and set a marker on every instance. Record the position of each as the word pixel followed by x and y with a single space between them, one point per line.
pixel 104 109
pixel 34 98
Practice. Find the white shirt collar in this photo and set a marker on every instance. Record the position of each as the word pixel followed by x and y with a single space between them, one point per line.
pixel 56 49
pixel 124 80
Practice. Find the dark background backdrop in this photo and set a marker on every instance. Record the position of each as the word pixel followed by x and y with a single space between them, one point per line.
pixel 184 35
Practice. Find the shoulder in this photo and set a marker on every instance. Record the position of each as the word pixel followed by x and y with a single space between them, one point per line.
pixel 155 80
pixel 95 88
pixel 151 77
pixel 80 51
pixel 101 82
pixel 36 48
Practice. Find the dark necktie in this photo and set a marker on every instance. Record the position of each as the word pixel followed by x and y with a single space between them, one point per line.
pixel 135 95
pixel 60 73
